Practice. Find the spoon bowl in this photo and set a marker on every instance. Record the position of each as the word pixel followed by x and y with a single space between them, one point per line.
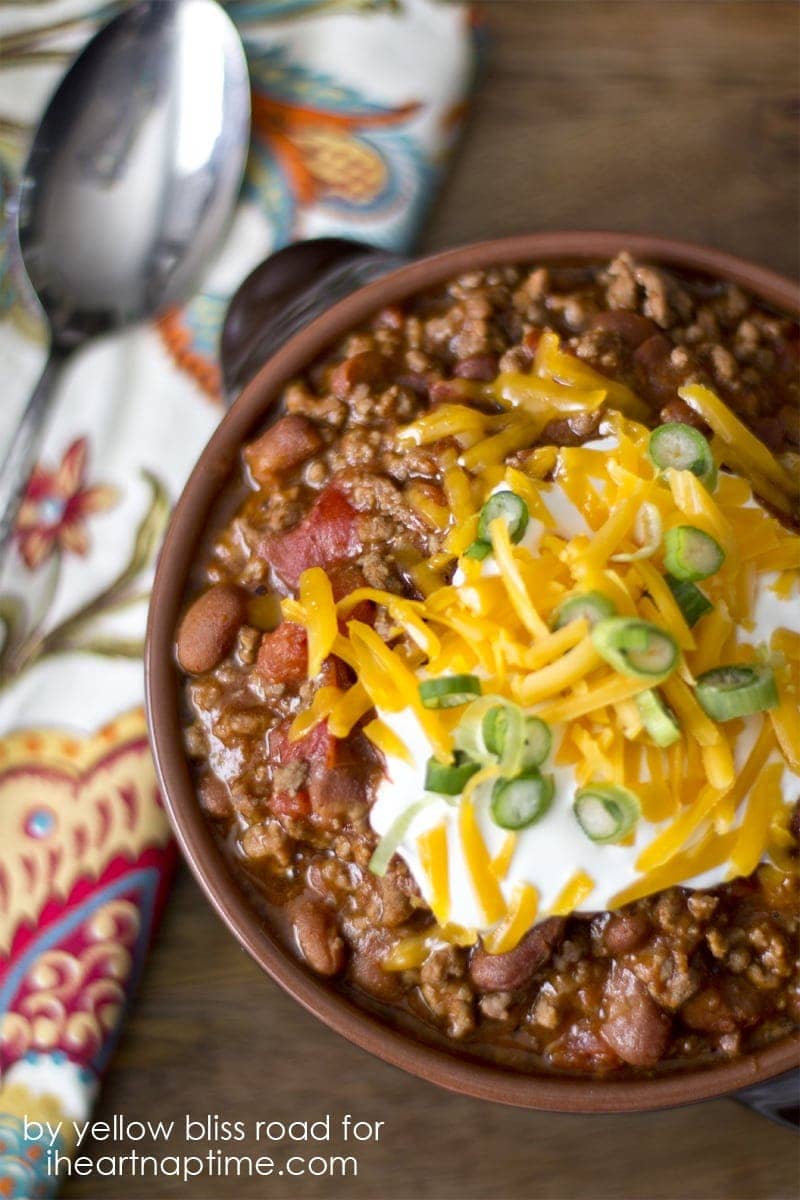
pixel 131 180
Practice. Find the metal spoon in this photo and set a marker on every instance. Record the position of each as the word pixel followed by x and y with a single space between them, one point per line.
pixel 130 182
pixel 285 293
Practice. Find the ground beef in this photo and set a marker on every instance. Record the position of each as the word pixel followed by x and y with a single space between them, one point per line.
pixel 675 978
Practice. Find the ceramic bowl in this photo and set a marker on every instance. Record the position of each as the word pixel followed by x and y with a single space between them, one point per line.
pixel 450 1069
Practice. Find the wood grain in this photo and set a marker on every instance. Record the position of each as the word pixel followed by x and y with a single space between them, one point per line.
pixel 677 118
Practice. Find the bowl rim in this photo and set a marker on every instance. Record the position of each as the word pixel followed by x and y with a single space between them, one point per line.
pixel 448 1069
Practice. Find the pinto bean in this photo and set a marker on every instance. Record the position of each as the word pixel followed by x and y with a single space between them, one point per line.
pixel 286 444
pixel 625 931
pixel 209 627
pixel 507 972
pixel 317 935
pixel 632 1024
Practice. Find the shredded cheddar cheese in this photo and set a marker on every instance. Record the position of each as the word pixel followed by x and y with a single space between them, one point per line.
pixel 704 802
pixel 484 881
pixel 502 860
pixel 517 921
pixel 432 846
pixel 387 741
pixel 572 894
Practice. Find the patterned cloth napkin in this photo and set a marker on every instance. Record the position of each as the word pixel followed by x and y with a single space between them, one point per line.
pixel 355 106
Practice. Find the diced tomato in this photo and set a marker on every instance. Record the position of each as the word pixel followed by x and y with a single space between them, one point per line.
pixel 283 654
pixel 318 746
pixel 338 773
pixel 327 534
pixel 345 578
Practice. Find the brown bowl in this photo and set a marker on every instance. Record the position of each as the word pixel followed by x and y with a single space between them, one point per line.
pixel 448 1069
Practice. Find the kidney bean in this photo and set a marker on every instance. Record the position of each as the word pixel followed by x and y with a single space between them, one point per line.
pixel 725 1007
pixel 367 973
pixel 479 366
pixel 658 379
pixel 317 935
pixel 631 328
pixel 507 972
pixel 368 366
pixel 625 931
pixel 571 431
pixel 679 410
pixel 632 1023
pixel 286 444
pixel 208 630
pixel 449 391
pixel 580 1048
pixel 708 1013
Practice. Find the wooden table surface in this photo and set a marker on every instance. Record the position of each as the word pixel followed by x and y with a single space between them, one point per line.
pixel 678 118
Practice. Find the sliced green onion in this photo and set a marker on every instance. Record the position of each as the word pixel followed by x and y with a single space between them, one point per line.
pixel 503 735
pixel 589 606
pixel 502 732
pixel 647 531
pixel 693 603
pixel 449 779
pixel 513 510
pixel 478 550
pixel 659 721
pixel 449 691
pixel 691 554
pixel 517 803
pixel 538 741
pixel 636 647
pixel 494 730
pixel 684 448
pixel 468 735
pixel 387 846
pixel 737 691
pixel 605 812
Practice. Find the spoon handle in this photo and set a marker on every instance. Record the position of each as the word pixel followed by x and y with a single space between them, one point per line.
pixel 18 463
